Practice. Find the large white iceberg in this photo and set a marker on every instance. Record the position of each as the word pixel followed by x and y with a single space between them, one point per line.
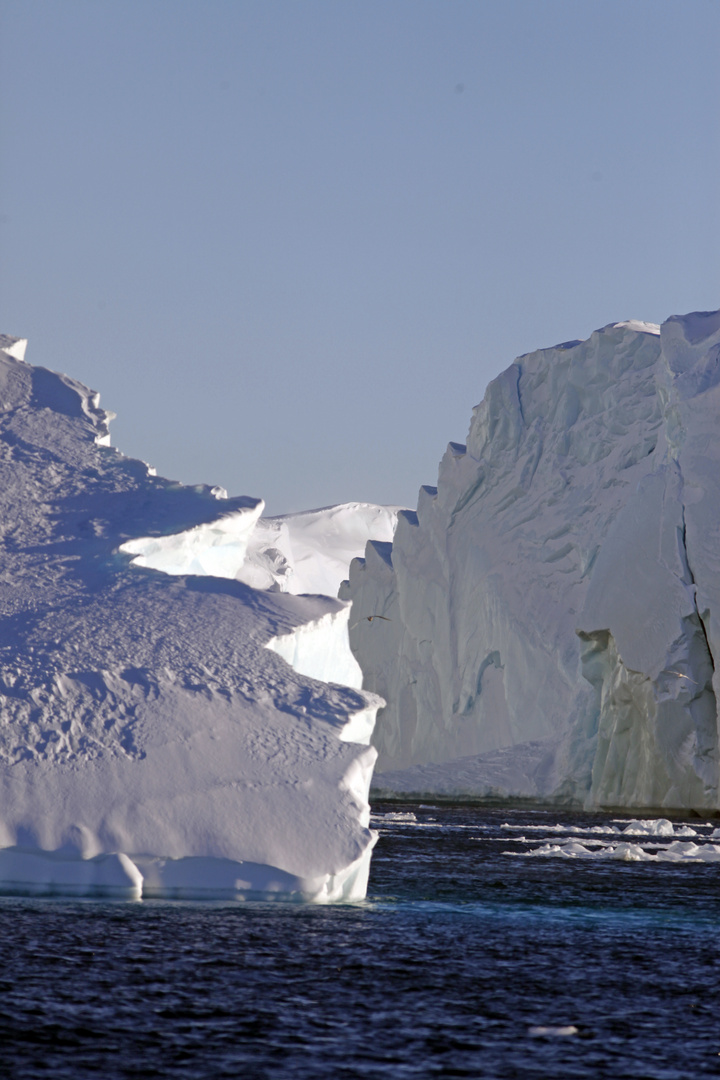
pixel 183 735
pixel 551 612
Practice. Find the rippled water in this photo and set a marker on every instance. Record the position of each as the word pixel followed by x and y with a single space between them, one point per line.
pixel 466 961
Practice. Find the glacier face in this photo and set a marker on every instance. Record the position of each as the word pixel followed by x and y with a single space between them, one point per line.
pixel 552 607
pixel 163 727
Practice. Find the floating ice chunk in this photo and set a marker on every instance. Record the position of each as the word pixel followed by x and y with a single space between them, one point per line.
pixel 685 851
pixel 625 852
pixel 396 818
pixel 656 827
pixel 659 827
pixel 553 1032
pixel 584 831
pixel 680 851
pixel 572 849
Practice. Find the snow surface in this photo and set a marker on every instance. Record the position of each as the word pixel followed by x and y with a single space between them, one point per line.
pixel 154 737
pixel 551 611
pixel 296 553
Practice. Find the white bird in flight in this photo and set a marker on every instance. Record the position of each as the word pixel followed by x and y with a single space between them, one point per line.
pixel 681 676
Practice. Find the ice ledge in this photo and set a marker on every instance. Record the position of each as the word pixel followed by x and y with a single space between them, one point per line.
pixel 320 649
pixel 214 548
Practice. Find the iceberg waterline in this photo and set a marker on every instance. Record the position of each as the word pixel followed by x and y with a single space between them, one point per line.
pixel 166 728
pixel 552 606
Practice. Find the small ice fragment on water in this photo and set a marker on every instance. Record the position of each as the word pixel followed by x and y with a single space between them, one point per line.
pixel 567 1029
pixel 659 827
pixel 628 853
pixel 396 817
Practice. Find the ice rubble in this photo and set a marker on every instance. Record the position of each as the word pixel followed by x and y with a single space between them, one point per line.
pixel 153 739
pixel 656 840
pixel 678 852
pixel 553 604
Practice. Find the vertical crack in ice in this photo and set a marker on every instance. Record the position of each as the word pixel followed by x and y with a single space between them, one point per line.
pixel 706 725
pixel 519 393
pixel 691 575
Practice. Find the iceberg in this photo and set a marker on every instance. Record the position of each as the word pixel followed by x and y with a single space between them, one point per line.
pixel 166 728
pixel 551 611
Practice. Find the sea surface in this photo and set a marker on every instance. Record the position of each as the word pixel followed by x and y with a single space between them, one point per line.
pixel 472 957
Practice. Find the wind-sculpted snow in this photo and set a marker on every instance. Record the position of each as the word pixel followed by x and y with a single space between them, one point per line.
pixel 551 610
pixel 295 553
pixel 153 738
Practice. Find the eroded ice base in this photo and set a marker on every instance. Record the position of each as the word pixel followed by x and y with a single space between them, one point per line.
pixel 32 872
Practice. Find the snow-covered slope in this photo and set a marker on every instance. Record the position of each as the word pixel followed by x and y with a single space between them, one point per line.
pixel 311 552
pixel 552 609
pixel 153 738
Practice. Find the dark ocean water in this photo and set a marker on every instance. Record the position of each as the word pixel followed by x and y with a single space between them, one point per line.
pixel 464 962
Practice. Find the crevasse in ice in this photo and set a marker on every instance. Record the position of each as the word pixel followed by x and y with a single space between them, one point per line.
pixel 551 609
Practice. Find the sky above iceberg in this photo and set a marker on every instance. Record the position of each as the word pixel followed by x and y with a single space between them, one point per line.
pixel 290 243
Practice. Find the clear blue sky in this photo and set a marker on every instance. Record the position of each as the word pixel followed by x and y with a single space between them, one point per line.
pixel 290 241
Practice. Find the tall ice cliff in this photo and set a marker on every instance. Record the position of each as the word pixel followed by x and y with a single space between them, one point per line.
pixel 552 610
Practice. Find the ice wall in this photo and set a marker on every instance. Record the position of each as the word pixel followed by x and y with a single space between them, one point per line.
pixel 165 729
pixel 552 607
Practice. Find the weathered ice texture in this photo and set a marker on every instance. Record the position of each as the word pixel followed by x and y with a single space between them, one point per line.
pixel 552 607
pixel 161 735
